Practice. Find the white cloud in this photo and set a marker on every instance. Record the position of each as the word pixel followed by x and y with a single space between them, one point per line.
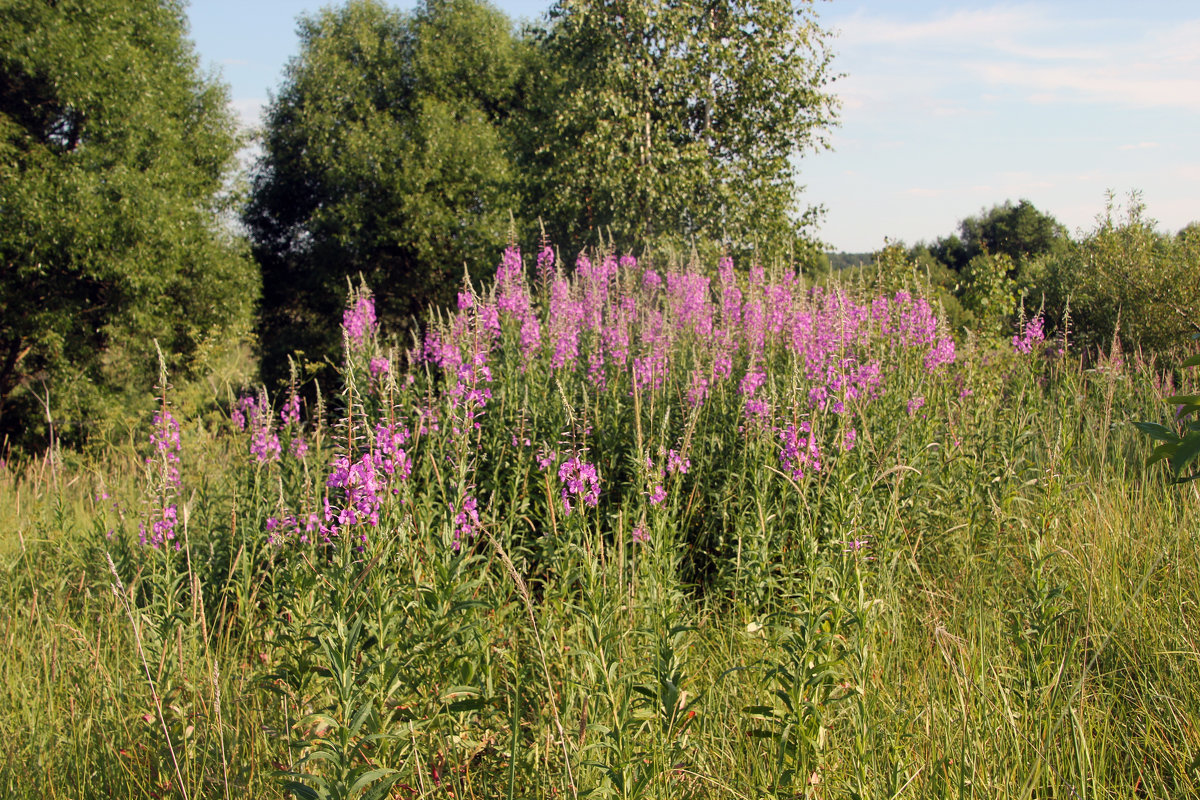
pixel 1046 51
pixel 1140 146
pixel 958 28
pixel 1130 85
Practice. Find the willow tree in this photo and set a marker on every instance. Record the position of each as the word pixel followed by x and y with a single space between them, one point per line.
pixel 114 152
pixel 675 121
pixel 384 155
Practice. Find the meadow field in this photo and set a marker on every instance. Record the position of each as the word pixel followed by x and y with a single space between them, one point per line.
pixel 628 530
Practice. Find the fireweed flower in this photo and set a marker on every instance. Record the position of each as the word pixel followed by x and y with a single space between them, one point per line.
pixel 264 442
pixel 531 337
pixel 466 521
pixel 916 324
pixel 677 463
pixel 757 409
pixel 298 447
pixel 389 456
pixel 241 408
pixel 564 325
pixel 379 366
pixel 658 494
pixel 512 295
pixel 799 452
pixel 361 489
pixel 288 526
pixel 754 327
pixel 698 389
pixel 255 414
pixel 751 382
pixel 167 447
pixel 942 353
pixel 615 333
pixel 594 282
pixel 580 481
pixel 489 319
pixel 159 527
pixel 688 300
pixel 915 404
pixel 290 413
pixel 651 281
pixel 596 372
pixel 162 528
pixel 640 535
pixel 358 321
pixel 1033 334
pixel 545 264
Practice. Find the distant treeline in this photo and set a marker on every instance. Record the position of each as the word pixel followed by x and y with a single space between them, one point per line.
pixel 841 261
pixel 1125 282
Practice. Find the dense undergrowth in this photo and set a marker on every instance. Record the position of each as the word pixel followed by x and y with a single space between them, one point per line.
pixel 625 534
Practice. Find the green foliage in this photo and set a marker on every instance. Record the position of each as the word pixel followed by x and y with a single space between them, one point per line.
pixel 113 220
pixel 843 260
pixel 1181 444
pixel 384 155
pixel 1126 279
pixel 1019 231
pixel 988 292
pixel 673 124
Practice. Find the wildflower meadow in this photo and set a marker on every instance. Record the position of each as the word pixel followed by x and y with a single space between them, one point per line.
pixel 613 528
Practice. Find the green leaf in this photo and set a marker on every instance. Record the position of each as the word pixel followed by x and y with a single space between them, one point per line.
pixel 1186 452
pixel 1157 431
pixel 360 717
pixel 303 791
pixel 367 778
pixel 468 704
pixel 1184 399
pixel 1162 451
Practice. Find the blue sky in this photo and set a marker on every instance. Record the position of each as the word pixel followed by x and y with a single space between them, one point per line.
pixel 947 108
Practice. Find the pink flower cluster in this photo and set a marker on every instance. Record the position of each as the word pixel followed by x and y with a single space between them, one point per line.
pixel 366 482
pixel 162 528
pixel 358 322
pixel 580 483
pixel 616 321
pixel 466 521
pixel 163 515
pixel 167 446
pixel 1033 334
pixel 676 464
pixel 255 413
pixel 289 525
pixel 799 451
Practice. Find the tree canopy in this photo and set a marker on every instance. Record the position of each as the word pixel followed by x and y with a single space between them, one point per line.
pixel 1018 231
pixel 653 120
pixel 404 145
pixel 1128 280
pixel 114 150
pixel 384 155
